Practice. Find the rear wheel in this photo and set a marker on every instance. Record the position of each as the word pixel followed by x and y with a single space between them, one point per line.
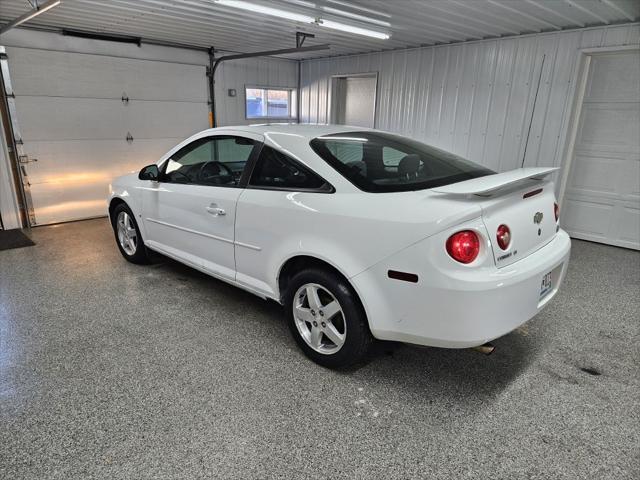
pixel 326 319
pixel 128 235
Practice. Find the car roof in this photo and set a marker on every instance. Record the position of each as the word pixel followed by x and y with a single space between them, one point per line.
pixel 306 130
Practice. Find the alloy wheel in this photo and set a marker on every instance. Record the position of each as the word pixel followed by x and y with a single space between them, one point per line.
pixel 319 318
pixel 127 235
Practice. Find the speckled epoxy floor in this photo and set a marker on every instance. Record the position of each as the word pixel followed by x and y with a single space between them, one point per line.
pixel 116 371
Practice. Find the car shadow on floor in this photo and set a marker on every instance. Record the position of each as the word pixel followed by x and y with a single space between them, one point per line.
pixel 462 375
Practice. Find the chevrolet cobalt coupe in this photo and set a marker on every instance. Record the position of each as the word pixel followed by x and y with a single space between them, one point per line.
pixel 359 234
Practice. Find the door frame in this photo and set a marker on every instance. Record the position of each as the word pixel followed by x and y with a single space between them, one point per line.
pixel 332 100
pixel 580 80
pixel 12 145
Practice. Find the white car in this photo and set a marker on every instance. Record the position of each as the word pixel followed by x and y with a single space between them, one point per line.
pixel 359 233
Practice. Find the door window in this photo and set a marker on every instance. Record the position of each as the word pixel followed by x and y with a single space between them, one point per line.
pixel 217 161
pixel 276 170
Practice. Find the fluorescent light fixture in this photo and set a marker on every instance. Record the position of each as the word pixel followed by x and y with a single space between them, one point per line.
pixel 356 16
pixel 351 29
pixel 275 12
pixel 30 15
pixel 298 17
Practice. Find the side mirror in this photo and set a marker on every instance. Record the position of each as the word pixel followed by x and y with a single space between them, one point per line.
pixel 150 172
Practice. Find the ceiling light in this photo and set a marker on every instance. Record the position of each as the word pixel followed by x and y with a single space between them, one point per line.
pixel 276 12
pixel 351 29
pixel 38 10
pixel 356 16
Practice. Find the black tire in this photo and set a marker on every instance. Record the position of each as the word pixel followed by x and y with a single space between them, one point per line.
pixel 358 338
pixel 140 255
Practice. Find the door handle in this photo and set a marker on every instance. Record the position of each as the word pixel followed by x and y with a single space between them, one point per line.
pixel 214 210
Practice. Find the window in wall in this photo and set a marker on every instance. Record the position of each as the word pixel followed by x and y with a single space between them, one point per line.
pixel 267 103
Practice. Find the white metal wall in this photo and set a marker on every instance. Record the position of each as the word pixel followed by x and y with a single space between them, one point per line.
pixel 275 72
pixel 236 74
pixel 68 94
pixel 474 99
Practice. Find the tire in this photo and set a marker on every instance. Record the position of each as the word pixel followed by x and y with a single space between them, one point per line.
pixel 339 338
pixel 131 247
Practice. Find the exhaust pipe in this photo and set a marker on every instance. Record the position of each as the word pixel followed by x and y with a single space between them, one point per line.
pixel 486 349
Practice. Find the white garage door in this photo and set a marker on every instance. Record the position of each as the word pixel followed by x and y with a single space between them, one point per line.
pixel 74 121
pixel 602 201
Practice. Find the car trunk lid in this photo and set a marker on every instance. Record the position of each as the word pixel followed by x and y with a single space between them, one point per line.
pixel 522 200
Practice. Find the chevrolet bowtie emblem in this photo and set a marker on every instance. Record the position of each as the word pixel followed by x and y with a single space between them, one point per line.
pixel 537 218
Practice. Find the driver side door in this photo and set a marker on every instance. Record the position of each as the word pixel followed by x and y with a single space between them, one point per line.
pixel 190 213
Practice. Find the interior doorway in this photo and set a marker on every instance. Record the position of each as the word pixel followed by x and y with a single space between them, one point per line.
pixel 354 99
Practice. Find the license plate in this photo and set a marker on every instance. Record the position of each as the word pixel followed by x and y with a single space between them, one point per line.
pixel 546 285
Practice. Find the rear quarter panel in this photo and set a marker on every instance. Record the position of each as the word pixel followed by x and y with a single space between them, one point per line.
pixel 351 231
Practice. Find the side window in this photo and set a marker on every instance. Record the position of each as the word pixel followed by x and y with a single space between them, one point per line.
pixel 276 170
pixel 348 153
pixel 391 157
pixel 217 161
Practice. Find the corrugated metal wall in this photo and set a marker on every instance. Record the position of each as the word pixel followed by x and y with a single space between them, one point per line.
pixel 236 74
pixel 474 99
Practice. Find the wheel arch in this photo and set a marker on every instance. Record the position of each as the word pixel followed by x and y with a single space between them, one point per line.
pixel 300 262
pixel 113 203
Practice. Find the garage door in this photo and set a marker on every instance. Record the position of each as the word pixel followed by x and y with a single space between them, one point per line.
pixel 602 201
pixel 89 118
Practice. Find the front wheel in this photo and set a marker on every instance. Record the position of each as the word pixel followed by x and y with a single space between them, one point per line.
pixel 128 235
pixel 326 319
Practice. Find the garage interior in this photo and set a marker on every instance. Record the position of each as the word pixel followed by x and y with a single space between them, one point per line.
pixel 112 370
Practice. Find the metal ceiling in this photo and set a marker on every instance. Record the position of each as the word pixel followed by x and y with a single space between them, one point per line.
pixel 410 23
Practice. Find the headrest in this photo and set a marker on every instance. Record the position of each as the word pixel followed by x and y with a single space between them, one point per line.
pixel 409 165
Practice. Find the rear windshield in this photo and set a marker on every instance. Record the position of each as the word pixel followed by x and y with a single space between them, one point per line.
pixel 383 162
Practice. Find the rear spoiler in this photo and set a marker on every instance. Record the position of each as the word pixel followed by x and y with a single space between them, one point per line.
pixel 490 183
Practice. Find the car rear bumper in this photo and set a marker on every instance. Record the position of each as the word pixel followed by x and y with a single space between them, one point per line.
pixel 447 308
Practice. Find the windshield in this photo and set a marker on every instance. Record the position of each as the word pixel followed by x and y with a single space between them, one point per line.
pixel 383 162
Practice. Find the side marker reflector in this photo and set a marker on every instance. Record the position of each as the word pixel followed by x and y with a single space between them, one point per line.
pixel 407 277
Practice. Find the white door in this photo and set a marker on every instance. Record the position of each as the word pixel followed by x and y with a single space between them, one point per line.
pixel 602 200
pixel 190 213
pixel 89 118
pixel 355 101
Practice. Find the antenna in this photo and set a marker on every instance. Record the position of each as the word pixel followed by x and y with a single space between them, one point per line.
pixel 533 110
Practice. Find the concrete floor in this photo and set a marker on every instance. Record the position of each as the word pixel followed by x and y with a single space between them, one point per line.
pixel 111 370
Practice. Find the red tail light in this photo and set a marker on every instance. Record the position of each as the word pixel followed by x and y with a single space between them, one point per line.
pixel 503 236
pixel 463 246
pixel 556 211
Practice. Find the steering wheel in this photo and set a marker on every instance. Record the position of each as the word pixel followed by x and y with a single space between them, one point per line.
pixel 204 175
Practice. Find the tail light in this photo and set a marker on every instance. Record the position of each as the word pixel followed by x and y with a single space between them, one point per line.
pixel 503 235
pixel 463 246
pixel 556 210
